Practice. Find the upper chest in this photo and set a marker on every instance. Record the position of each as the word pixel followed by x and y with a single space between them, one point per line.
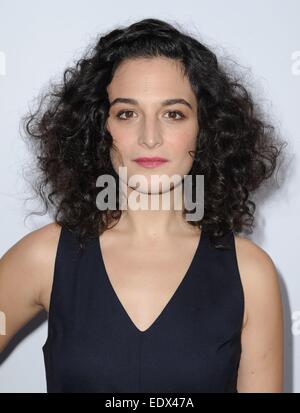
pixel 161 263
pixel 142 275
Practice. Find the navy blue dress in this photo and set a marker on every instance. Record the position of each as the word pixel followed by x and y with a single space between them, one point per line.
pixel 194 346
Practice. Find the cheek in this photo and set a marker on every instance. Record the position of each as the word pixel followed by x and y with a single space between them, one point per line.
pixel 122 148
pixel 118 132
pixel 121 139
pixel 183 143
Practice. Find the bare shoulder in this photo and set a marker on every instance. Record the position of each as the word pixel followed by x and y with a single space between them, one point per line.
pixel 31 259
pixel 252 254
pixel 35 246
pixel 258 273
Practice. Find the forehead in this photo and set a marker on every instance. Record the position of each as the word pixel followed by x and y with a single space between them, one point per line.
pixel 158 77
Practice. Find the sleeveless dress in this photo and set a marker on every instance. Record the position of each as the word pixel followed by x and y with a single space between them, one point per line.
pixel 193 346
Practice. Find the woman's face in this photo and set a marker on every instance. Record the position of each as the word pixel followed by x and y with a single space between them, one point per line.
pixel 147 127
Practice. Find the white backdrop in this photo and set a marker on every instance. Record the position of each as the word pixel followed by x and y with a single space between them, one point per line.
pixel 38 40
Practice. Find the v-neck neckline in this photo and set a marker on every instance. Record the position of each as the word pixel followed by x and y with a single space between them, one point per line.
pixel 172 300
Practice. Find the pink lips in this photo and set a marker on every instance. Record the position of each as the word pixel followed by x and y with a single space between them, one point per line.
pixel 150 162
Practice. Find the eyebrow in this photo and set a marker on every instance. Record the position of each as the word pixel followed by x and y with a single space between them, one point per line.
pixel 166 102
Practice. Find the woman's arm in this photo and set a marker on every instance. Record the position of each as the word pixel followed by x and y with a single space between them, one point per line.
pixel 25 270
pixel 261 364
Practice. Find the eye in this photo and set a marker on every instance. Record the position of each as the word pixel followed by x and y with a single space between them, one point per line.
pixel 177 112
pixel 121 112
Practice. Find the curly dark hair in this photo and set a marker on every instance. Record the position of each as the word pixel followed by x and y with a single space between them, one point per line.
pixel 236 148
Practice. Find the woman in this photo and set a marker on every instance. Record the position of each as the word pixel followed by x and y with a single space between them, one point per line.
pixel 145 300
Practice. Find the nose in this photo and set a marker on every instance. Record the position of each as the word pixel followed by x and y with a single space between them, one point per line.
pixel 150 135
